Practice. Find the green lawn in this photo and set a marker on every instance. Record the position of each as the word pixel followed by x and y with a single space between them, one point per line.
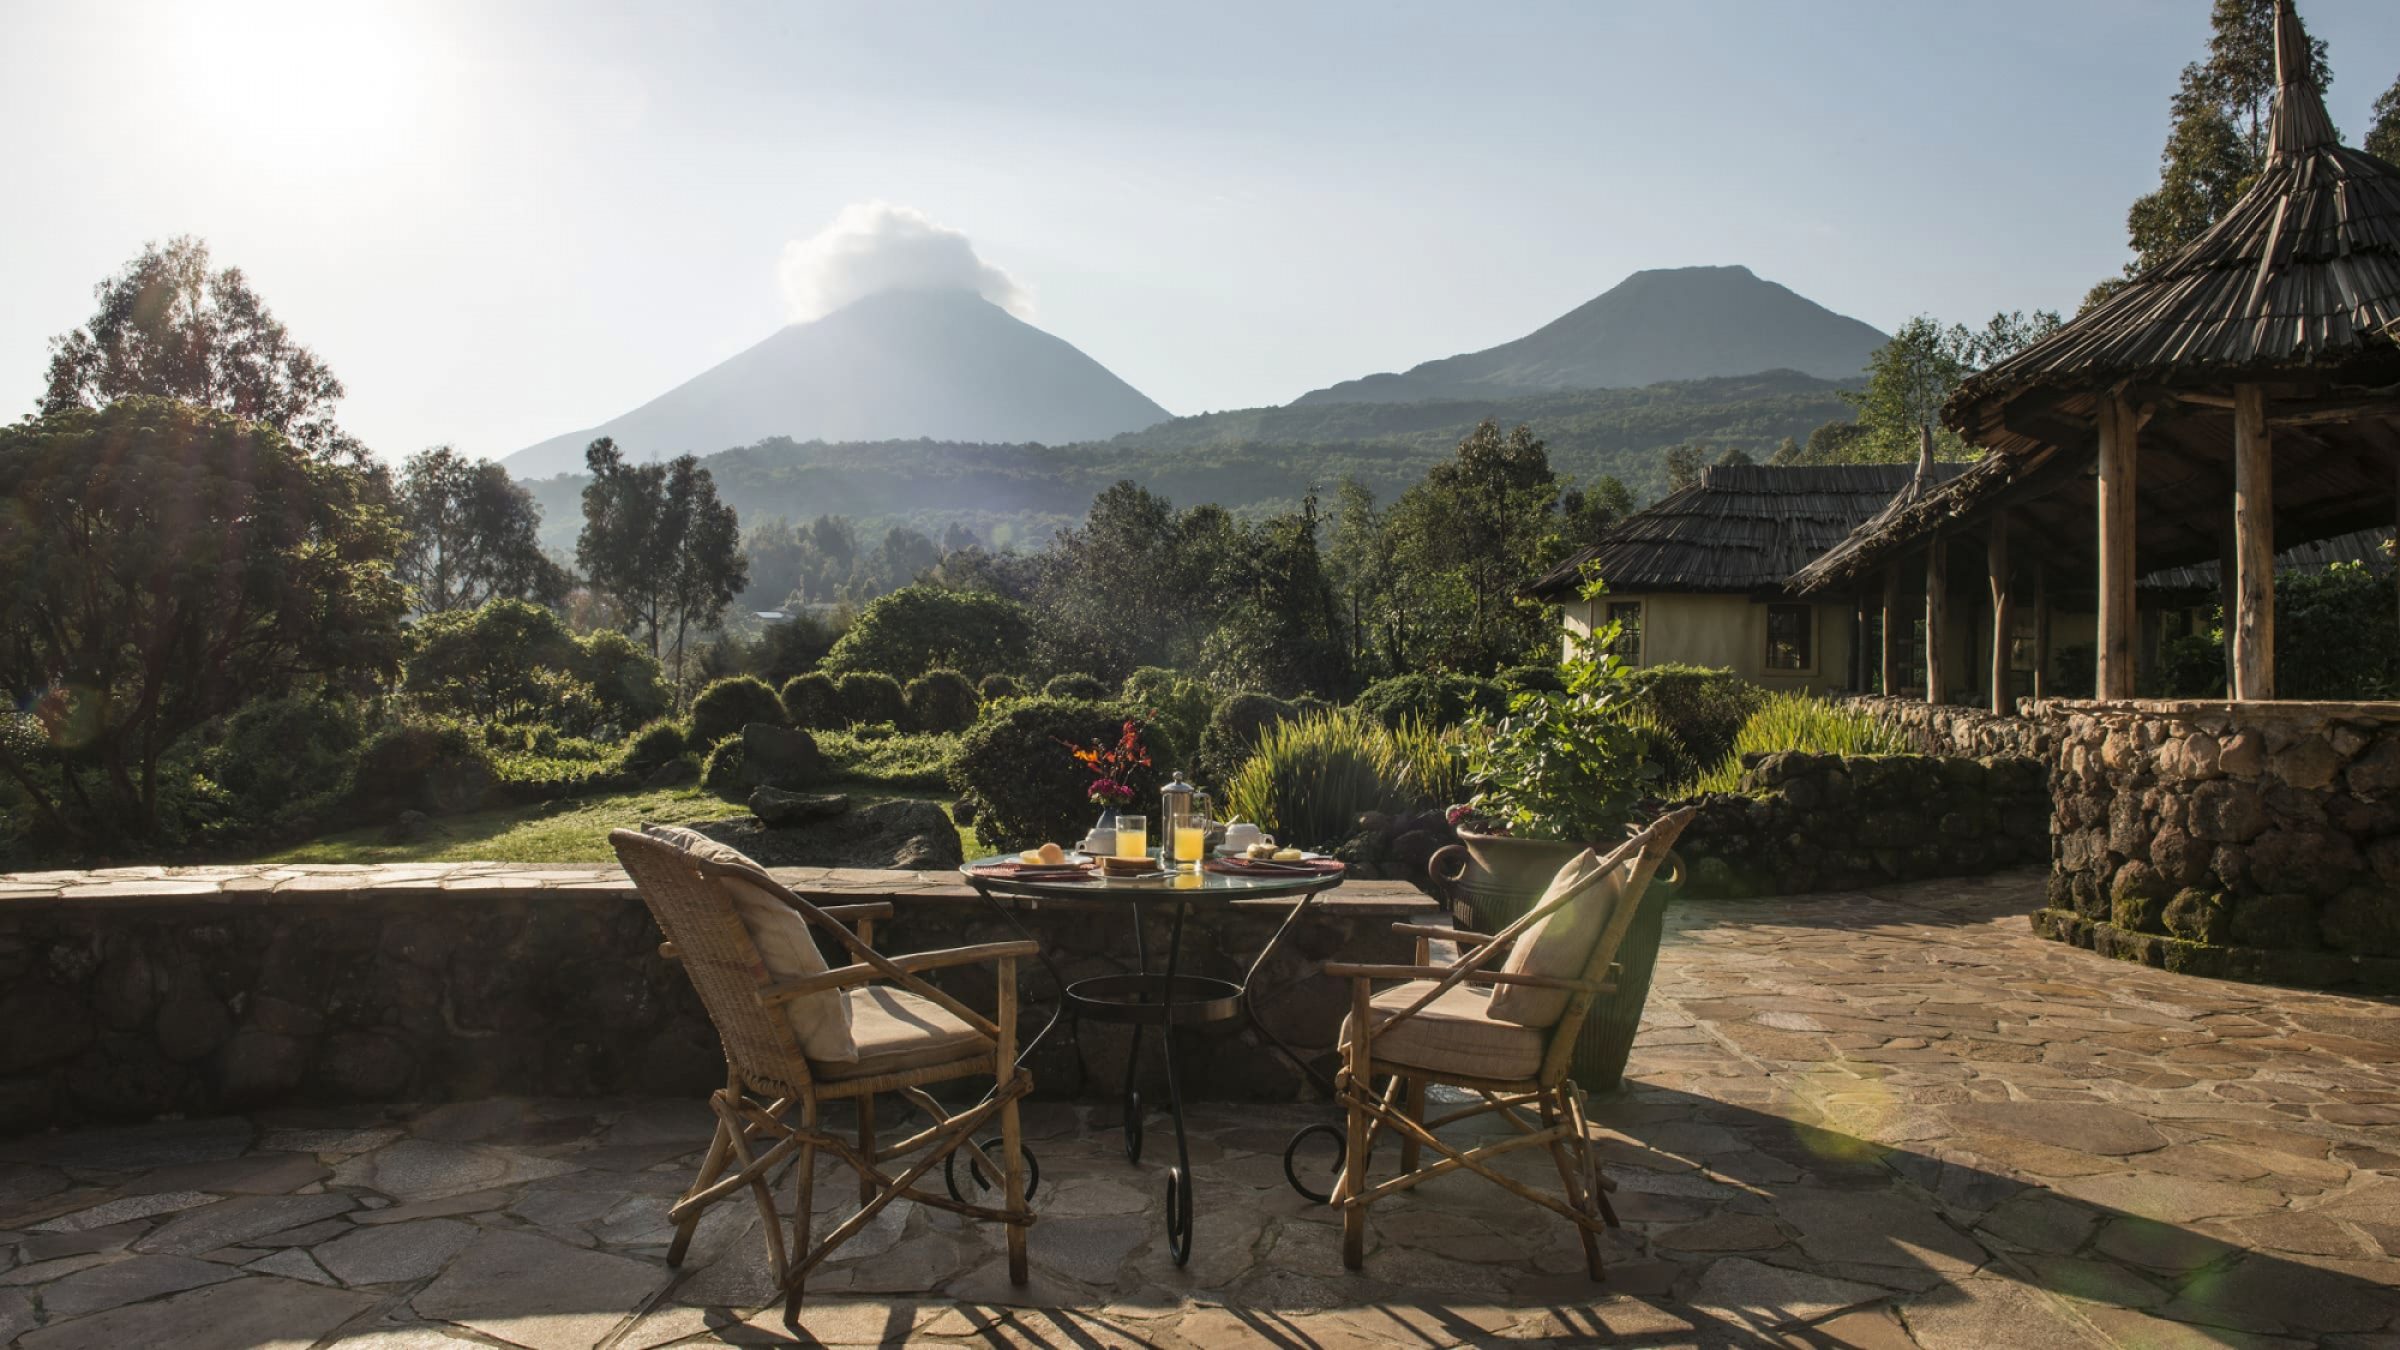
pixel 574 831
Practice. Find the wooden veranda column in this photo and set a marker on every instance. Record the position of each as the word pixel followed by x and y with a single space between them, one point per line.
pixel 1937 614
pixel 2041 628
pixel 2004 614
pixel 1890 684
pixel 2252 623
pixel 2118 432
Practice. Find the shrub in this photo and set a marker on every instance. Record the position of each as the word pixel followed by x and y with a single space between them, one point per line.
pixel 1702 709
pixel 1310 778
pixel 431 766
pixel 1429 764
pixel 280 756
pixel 923 627
pixel 869 696
pixel 2335 636
pixel 627 686
pixel 993 688
pixel 881 755
pixel 1233 732
pixel 1443 699
pixel 1025 787
pixel 730 704
pixel 1534 679
pixel 653 746
pixel 1088 688
pixel 941 700
pixel 812 702
pixel 2191 666
pixel 721 773
pixel 1798 721
pixel 1180 704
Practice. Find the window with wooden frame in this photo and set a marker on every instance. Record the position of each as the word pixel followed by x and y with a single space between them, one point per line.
pixel 1791 634
pixel 1627 615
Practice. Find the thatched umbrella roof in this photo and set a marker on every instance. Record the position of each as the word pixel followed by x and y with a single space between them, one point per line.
pixel 1742 529
pixel 2296 288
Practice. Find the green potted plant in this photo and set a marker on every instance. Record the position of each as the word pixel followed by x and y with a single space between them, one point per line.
pixel 1564 771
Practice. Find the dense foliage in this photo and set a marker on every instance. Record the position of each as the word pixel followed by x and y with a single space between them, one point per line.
pixel 923 627
pixel 511 661
pixel 1564 765
pixel 1309 779
pixel 161 566
pixel 1233 731
pixel 869 698
pixel 659 546
pixel 1798 720
pixel 1022 783
pixel 728 705
pixel 2337 637
pixel 813 702
pixel 941 701
pixel 1697 712
pixel 1440 700
pixel 1075 686
pixel 471 535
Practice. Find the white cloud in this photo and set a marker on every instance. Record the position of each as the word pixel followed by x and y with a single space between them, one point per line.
pixel 876 246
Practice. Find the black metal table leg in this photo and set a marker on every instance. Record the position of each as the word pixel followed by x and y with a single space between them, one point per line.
pixel 1250 983
pixel 1132 1120
pixel 1179 1177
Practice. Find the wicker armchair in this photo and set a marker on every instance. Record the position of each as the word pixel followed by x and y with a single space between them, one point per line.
pixel 1440 1028
pixel 908 1035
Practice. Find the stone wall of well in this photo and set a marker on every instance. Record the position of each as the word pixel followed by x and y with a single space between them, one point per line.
pixel 2248 840
pixel 135 992
pixel 1805 822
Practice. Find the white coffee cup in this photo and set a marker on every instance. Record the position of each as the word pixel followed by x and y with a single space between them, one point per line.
pixel 1242 834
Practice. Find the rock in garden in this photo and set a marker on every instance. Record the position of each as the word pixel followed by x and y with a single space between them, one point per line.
pixel 783 809
pixel 674 773
pixel 910 835
pixel 781 756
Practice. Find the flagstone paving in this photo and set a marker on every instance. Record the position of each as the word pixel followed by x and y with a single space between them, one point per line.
pixel 1884 1119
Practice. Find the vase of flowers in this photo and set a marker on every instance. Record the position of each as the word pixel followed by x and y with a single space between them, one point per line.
pixel 1111 788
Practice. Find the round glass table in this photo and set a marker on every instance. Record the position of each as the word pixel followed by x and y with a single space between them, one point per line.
pixel 1166 998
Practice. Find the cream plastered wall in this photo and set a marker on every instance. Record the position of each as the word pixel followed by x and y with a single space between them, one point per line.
pixel 1728 632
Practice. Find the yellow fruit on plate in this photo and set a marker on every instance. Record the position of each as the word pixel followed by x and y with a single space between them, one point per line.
pixel 1289 855
pixel 1031 855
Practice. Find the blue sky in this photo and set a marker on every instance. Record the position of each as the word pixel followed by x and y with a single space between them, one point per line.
pixel 502 221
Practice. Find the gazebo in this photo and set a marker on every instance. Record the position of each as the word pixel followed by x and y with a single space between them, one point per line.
pixel 2240 396
pixel 2236 399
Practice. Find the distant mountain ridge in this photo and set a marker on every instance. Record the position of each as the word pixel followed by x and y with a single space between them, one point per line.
pixel 895 365
pixel 1248 460
pixel 1666 324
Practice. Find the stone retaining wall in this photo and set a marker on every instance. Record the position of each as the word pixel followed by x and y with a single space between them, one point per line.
pixel 1808 822
pixel 1943 729
pixel 133 992
pixel 2250 840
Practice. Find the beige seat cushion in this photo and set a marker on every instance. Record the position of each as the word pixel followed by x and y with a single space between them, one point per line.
pixel 895 1029
pixel 1455 1035
pixel 1560 944
pixel 820 1021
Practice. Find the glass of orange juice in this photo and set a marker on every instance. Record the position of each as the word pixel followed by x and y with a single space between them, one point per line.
pixel 1191 838
pixel 1133 836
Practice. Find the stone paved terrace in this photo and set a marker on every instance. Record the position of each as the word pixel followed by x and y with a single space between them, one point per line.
pixel 1880 1119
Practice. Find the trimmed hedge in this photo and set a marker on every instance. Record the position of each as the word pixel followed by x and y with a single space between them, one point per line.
pixel 730 704
pixel 1442 699
pixel 941 700
pixel 1089 688
pixel 813 702
pixel 434 767
pixel 721 773
pixel 1701 709
pixel 653 746
pixel 993 688
pixel 1233 732
pixel 1025 787
pixel 868 697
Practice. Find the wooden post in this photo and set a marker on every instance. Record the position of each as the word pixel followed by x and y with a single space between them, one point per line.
pixel 2118 431
pixel 1937 614
pixel 2227 597
pixel 2004 613
pixel 2252 625
pixel 1890 687
pixel 2041 628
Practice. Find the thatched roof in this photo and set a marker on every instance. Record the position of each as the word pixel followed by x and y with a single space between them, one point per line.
pixel 2372 547
pixel 1742 528
pixel 2297 288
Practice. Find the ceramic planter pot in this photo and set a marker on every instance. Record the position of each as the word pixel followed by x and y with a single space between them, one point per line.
pixel 1491 880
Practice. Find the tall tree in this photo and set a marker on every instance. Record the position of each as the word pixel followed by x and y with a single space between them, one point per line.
pixel 1585 513
pixel 1683 465
pixel 169 326
pixel 473 535
pixel 2383 138
pixel 631 534
pixel 1465 538
pixel 708 569
pixel 2216 138
pixel 1910 377
pixel 163 564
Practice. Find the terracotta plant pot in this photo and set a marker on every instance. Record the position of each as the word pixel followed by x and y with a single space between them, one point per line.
pixel 1490 880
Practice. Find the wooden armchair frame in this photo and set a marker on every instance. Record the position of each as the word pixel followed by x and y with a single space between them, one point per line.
pixel 769 1111
pixel 1399 1108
